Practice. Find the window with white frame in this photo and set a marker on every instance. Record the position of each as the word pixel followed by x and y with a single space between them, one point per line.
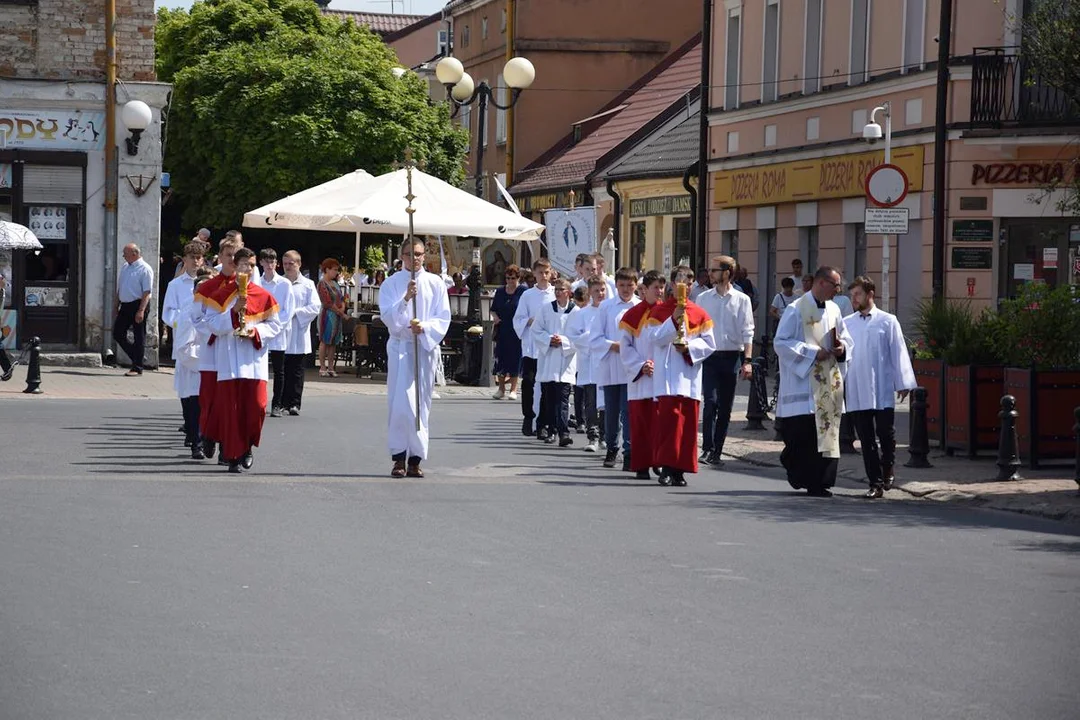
pixel 442 44
pixel 860 41
pixel 812 48
pixel 770 52
pixel 463 119
pixel 487 120
pixel 914 34
pixel 731 61
pixel 500 114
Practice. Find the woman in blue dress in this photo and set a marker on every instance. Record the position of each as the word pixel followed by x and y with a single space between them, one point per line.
pixel 507 343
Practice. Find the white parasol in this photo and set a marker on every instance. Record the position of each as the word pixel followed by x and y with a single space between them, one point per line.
pixel 17 237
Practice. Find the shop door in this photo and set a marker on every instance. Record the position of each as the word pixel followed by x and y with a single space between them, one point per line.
pixel 1038 251
pixel 50 276
pixel 682 241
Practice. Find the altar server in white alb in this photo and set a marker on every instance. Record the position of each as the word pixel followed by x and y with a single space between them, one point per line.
pixel 281 289
pixel 409 446
pixel 186 377
pixel 556 364
pixel 579 330
pixel 528 307
pixel 306 307
pixel 811 343
pixel 879 370
pixel 176 307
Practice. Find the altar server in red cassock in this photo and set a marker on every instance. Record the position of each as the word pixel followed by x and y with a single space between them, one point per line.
pixel 681 335
pixel 636 354
pixel 249 319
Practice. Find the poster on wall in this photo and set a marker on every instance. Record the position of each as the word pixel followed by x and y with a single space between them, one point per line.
pixel 8 337
pixel 5 176
pixel 52 129
pixel 570 232
pixel 46 297
pixel 48 223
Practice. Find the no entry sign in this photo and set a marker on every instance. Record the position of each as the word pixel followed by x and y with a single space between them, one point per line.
pixel 886 185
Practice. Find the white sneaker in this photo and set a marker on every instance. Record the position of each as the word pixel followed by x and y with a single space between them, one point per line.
pixel 512 396
pixel 592 447
pixel 499 395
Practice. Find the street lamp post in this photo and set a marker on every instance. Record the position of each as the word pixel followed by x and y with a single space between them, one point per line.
pixel 872 132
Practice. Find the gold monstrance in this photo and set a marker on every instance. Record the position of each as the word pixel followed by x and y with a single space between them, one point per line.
pixel 681 293
pixel 241 305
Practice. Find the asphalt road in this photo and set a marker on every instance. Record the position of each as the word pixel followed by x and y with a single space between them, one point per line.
pixel 515 581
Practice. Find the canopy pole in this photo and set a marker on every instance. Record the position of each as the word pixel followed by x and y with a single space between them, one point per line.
pixel 356 269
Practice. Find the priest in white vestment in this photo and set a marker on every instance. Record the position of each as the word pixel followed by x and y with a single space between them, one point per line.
pixel 878 371
pixel 410 333
pixel 811 344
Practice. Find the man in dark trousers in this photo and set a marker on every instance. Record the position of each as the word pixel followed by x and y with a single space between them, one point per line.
pixel 133 288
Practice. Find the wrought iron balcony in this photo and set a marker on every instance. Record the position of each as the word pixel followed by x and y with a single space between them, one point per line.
pixel 1007 93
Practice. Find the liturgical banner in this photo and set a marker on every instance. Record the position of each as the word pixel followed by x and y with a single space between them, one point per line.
pixel 570 232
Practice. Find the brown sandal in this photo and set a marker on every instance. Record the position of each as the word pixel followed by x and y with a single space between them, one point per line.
pixel 399 469
pixel 415 471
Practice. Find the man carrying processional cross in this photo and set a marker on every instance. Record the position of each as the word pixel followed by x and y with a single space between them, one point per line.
pixel 812 343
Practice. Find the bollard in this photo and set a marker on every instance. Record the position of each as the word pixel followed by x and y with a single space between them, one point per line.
pixel 1076 429
pixel 1008 461
pixel 755 410
pixel 33 368
pixel 919 440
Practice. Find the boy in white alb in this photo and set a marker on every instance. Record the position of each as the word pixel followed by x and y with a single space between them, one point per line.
pixel 556 365
pixel 186 377
pixel 528 307
pixel 579 330
pixel 610 377
pixel 281 289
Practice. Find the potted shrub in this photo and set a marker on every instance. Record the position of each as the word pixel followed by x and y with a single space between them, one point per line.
pixel 1040 339
pixel 935 326
pixel 974 378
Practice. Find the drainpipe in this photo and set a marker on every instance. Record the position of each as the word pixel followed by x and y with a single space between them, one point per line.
pixel 940 143
pixel 511 9
pixel 111 169
pixel 616 227
pixel 691 171
pixel 701 236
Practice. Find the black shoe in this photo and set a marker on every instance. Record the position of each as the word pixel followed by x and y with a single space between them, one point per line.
pixel 626 463
pixel 221 456
pixel 542 434
pixel 275 412
pixel 527 428
pixel 642 475
pixel 609 458
pixel 875 492
pixel 678 480
pixel 888 477
pixel 248 460
pixel 294 411
pixel 234 467
pixel 10 372
pixel 188 443
pixel 196 452
pixel 664 479
pixel 208 448
pixel 565 441
pixel 549 440
pixel 182 428
pixel 819 492
pixel 706 458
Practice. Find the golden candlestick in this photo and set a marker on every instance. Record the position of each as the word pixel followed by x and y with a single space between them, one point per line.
pixel 681 295
pixel 241 305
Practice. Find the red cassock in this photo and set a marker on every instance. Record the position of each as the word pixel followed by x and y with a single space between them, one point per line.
pixel 642 412
pixel 209 295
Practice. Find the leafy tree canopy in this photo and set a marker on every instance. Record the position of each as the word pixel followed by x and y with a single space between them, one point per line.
pixel 271 97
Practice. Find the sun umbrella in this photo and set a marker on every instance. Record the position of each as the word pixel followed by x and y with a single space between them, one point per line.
pixel 17 237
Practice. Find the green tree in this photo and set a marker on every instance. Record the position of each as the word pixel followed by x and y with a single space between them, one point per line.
pixel 1051 33
pixel 271 97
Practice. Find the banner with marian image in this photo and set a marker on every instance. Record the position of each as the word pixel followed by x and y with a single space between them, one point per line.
pixel 569 232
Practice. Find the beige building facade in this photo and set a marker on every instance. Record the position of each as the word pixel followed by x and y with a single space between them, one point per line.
pixel 793 84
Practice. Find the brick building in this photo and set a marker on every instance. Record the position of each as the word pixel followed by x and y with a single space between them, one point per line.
pixel 53 149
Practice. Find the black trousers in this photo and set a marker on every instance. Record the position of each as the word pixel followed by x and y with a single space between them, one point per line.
pixel 293 390
pixel 190 406
pixel 277 369
pixel 125 320
pixel 579 405
pixel 718 382
pixel 807 469
pixel 555 407
pixel 588 417
pixel 5 362
pixel 877 436
pixel 528 387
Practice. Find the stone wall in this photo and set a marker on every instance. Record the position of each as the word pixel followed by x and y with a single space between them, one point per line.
pixel 65 39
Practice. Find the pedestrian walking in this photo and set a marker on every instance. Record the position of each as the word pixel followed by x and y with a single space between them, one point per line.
pixel 133 288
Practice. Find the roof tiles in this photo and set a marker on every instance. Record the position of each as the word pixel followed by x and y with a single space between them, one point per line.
pixel 379 23
pixel 667 153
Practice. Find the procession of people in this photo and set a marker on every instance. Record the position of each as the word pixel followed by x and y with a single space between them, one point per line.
pixel 636 362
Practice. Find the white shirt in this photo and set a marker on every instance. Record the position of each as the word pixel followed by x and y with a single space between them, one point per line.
pixel 135 280
pixel 186 378
pixel 733 318
pixel 554 364
pixel 603 335
pixel 179 297
pixel 672 375
pixel 879 365
pixel 579 330
pixel 781 301
pixel 306 307
pixel 798 355
pixel 696 290
pixel 528 307
pixel 280 287
pixel 584 282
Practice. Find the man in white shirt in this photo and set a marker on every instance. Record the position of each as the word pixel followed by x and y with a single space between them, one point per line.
pixel 598 259
pixel 176 307
pixel 605 349
pixel 701 284
pixel 733 330
pixel 281 289
pixel 796 272
pixel 306 307
pixel 528 308
pixel 133 289
pixel 878 368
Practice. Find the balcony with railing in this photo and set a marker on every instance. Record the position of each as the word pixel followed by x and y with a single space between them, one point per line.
pixel 1007 93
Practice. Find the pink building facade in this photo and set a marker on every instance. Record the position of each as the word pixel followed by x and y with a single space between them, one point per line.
pixel 793 83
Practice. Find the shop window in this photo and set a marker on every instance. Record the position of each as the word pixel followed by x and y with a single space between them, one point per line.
pixel 682 232
pixel 637 245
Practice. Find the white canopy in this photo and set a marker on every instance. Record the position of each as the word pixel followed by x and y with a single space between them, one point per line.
pixel 377 205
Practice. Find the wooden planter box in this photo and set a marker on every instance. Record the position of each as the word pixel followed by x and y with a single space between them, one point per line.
pixel 930 375
pixel 972 402
pixel 1045 403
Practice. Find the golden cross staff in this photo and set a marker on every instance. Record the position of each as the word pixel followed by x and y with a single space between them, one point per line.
pixel 412 246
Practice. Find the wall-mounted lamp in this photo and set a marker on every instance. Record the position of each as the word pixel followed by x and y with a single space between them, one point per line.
pixel 136 117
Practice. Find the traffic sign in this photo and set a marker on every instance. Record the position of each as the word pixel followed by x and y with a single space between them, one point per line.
pixel 886 221
pixel 886 185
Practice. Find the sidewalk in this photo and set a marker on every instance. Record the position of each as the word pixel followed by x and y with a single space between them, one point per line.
pixel 1050 493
